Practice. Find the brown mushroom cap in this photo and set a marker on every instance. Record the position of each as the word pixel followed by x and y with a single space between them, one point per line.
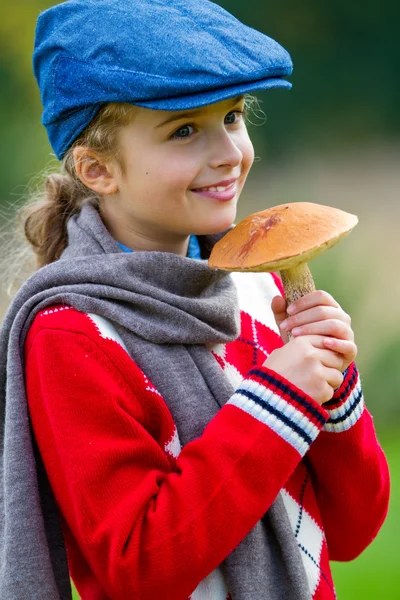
pixel 281 237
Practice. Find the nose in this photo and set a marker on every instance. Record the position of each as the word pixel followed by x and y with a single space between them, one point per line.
pixel 224 152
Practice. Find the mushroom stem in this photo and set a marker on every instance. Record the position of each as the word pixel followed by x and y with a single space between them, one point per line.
pixel 297 282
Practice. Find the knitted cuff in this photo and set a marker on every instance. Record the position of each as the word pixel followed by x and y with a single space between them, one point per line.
pixel 347 404
pixel 288 411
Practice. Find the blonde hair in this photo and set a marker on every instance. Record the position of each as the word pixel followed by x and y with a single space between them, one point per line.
pixel 42 221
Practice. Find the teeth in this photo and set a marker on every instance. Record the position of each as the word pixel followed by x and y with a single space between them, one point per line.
pixel 219 188
pixel 215 188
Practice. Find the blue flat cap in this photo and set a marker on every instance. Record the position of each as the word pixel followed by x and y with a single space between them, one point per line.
pixel 159 54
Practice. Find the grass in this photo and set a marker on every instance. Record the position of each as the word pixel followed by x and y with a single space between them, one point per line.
pixel 375 575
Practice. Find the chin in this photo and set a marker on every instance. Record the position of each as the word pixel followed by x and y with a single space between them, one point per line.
pixel 215 226
pixel 223 221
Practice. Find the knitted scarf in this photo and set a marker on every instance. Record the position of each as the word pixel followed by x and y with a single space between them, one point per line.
pixel 166 308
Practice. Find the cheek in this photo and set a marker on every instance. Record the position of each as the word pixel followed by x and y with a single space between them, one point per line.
pixel 247 150
pixel 175 172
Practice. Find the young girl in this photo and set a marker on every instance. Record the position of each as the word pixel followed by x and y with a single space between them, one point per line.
pixel 157 423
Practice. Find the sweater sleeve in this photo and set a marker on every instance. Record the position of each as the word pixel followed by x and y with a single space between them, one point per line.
pixel 147 526
pixel 350 473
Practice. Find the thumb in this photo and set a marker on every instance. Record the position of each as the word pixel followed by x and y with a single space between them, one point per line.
pixel 278 306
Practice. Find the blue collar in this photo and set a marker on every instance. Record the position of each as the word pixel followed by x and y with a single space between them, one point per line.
pixel 193 248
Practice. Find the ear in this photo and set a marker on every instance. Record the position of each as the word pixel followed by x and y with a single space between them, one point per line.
pixel 94 172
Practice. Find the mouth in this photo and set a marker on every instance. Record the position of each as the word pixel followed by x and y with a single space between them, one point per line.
pixel 219 192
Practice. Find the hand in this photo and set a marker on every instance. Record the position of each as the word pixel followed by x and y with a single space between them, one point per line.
pixel 318 314
pixel 309 366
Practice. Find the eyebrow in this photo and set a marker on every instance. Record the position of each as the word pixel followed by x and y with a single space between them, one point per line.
pixel 191 113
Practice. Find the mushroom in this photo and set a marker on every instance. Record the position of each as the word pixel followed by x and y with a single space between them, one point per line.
pixel 283 238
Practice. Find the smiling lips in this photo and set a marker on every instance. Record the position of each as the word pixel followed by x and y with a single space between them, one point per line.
pixel 226 190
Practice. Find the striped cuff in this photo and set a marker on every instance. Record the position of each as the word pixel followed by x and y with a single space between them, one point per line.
pixel 274 401
pixel 347 404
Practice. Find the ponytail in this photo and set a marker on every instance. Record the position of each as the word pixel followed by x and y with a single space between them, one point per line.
pixel 45 220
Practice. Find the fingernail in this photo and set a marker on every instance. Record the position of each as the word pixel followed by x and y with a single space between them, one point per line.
pixel 328 342
pixel 296 330
pixel 290 309
pixel 284 325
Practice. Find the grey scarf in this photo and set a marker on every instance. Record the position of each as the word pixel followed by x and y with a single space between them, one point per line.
pixel 166 308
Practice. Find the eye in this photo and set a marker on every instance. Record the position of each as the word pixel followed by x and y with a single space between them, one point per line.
pixel 185 132
pixel 238 114
pixel 182 132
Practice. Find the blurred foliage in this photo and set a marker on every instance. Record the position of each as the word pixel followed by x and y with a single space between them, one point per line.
pixel 24 147
pixel 382 382
pixel 345 97
pixel 345 57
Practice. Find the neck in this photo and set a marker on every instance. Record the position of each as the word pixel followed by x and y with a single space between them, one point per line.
pixel 139 241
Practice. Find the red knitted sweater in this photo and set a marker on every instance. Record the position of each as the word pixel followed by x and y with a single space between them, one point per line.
pixel 145 519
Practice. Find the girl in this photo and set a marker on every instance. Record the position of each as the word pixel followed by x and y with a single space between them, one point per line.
pixel 155 422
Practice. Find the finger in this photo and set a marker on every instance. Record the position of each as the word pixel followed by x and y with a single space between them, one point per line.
pixel 278 306
pixel 346 348
pixel 319 297
pixel 311 315
pixel 330 359
pixel 316 340
pixel 333 377
pixel 343 352
pixel 330 327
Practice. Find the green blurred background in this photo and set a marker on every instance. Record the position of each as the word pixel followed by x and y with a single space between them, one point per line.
pixel 334 139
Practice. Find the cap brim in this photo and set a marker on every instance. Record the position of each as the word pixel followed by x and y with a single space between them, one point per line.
pixel 211 96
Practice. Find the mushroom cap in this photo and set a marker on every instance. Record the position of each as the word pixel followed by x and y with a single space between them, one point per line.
pixel 281 237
